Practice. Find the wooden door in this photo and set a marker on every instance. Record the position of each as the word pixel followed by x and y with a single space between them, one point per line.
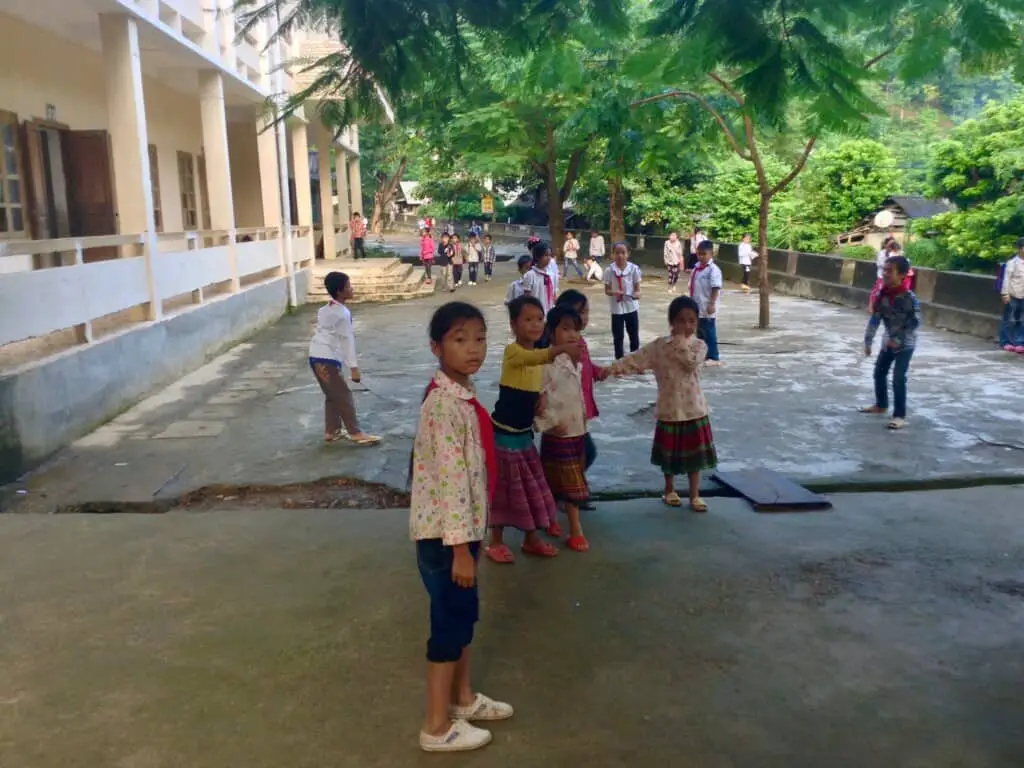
pixel 90 178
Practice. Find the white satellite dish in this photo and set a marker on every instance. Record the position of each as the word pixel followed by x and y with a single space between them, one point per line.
pixel 884 219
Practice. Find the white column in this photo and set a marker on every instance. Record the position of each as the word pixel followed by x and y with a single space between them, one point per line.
pixel 218 163
pixel 303 191
pixel 282 168
pixel 129 140
pixel 355 183
pixel 324 160
pixel 344 212
pixel 270 187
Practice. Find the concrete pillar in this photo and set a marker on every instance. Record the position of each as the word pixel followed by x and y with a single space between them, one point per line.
pixel 355 184
pixel 129 140
pixel 270 185
pixel 218 164
pixel 324 162
pixel 303 191
pixel 344 212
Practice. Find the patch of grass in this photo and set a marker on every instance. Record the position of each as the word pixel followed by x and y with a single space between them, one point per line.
pixel 859 252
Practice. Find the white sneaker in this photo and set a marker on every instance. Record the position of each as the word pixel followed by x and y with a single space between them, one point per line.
pixel 482 708
pixel 461 737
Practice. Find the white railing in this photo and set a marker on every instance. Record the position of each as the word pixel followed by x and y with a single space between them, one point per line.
pixel 75 291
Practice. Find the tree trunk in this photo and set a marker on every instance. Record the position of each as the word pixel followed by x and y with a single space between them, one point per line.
pixel 764 287
pixel 616 210
pixel 556 217
pixel 384 195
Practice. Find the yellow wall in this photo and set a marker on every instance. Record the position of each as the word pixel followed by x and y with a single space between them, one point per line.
pixel 38 68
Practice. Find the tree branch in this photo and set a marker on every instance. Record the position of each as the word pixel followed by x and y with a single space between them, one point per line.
pixel 571 173
pixel 707 108
pixel 727 88
pixel 871 62
pixel 796 168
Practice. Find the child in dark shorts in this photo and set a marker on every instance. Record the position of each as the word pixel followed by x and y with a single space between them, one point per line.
pixel 453 474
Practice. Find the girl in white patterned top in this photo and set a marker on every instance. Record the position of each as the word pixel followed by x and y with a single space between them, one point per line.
pixel 622 286
pixel 683 443
pixel 453 475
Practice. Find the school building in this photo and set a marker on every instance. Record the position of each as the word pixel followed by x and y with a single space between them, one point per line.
pixel 151 212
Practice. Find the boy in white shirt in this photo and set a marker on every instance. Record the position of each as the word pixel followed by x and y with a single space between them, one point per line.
pixel 596 249
pixel 746 257
pixel 705 288
pixel 515 288
pixel 622 287
pixel 1013 298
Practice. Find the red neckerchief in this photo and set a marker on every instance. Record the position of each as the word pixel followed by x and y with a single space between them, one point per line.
pixel 693 275
pixel 549 286
pixel 483 418
pixel 899 289
pixel 622 284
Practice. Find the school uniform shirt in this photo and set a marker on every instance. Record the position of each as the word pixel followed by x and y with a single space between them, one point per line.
pixel 703 281
pixel 1013 278
pixel 676 362
pixel 334 337
pixel 562 389
pixel 515 290
pixel 522 376
pixel 673 253
pixel 880 258
pixel 698 238
pixel 746 254
pixel 555 275
pixel 590 373
pixel 624 281
pixel 539 284
pixel 597 247
pixel 449 470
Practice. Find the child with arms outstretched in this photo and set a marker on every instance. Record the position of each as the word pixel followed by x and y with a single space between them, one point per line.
pixel 683 443
pixel 453 475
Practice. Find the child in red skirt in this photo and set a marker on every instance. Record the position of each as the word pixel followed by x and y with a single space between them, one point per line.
pixel 563 423
pixel 683 443
pixel 522 498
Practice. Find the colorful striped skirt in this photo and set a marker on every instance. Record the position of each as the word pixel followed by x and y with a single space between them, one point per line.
pixel 681 447
pixel 522 499
pixel 564 460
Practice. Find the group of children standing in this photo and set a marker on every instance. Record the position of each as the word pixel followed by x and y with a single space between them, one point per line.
pixel 474 471
pixel 453 256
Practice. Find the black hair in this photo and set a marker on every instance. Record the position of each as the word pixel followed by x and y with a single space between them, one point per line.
pixel 488 235
pixel 516 306
pixel 705 245
pixel 901 263
pixel 539 250
pixel 335 283
pixel 1020 242
pixel 523 260
pixel 449 314
pixel 679 305
pixel 573 299
pixel 559 313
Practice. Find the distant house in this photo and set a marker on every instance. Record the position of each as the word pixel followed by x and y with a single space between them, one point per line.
pixel 902 209
pixel 407 199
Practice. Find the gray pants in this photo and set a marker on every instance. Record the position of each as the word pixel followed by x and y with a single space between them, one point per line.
pixel 339 405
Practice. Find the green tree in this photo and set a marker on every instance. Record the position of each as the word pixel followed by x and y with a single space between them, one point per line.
pixel 981 170
pixel 752 66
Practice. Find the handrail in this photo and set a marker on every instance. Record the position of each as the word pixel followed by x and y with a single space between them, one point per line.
pixel 33 247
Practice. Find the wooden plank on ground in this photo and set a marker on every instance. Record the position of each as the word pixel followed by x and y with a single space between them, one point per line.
pixel 769 491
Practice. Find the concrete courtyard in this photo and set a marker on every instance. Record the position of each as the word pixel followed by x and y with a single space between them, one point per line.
pixel 785 400
pixel 884 633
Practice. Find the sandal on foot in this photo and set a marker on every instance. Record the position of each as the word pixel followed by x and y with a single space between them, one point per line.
pixel 461 737
pixel 897 424
pixel 873 409
pixel 698 505
pixel 554 530
pixel 672 499
pixel 500 553
pixel 540 549
pixel 341 434
pixel 366 439
pixel 578 544
pixel 586 506
pixel 482 708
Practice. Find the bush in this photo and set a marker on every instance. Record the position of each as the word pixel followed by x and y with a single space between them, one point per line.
pixel 860 252
pixel 928 253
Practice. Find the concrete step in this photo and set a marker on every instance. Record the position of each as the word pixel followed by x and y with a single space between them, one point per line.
pixel 375 282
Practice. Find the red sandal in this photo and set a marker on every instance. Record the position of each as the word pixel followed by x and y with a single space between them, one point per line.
pixel 540 549
pixel 578 544
pixel 554 530
pixel 500 553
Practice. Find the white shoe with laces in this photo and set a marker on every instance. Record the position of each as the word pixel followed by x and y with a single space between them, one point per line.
pixel 482 708
pixel 461 737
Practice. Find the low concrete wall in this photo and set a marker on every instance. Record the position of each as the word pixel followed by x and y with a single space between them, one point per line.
pixel 953 301
pixel 47 406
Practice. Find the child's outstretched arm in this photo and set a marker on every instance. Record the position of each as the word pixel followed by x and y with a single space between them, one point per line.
pixel 640 361
pixel 546 419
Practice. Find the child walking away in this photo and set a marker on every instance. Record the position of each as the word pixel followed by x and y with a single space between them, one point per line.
pixel 473 253
pixel 453 475
pixel 571 253
pixel 444 262
pixel 683 443
pixel 490 256
pixel 458 259
pixel 515 288
pixel 427 250
pixel 673 259
pixel 523 499
pixel 1013 297
pixel 746 258
pixel 622 286
pixel 705 288
pixel 563 427
pixel 578 302
pixel 538 282
pixel 898 310
pixel 333 345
